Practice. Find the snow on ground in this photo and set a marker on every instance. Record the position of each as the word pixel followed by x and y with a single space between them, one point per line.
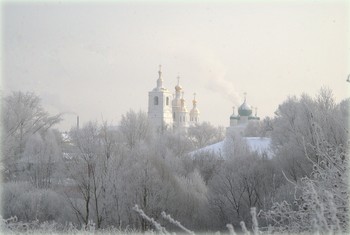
pixel 255 144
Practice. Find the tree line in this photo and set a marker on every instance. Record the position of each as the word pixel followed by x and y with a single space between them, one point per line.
pixel 99 172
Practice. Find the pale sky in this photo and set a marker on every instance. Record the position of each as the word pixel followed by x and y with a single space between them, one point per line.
pixel 101 59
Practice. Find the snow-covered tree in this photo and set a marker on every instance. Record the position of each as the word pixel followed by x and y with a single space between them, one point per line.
pixel 22 117
pixel 321 202
pixel 292 128
pixel 85 168
pixel 42 160
pixel 204 134
pixel 135 128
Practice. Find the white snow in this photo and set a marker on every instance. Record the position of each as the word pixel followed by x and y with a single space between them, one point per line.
pixel 255 144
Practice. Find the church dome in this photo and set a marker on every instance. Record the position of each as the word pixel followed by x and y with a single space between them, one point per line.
pixel 245 109
pixel 178 88
pixel 194 111
pixel 233 115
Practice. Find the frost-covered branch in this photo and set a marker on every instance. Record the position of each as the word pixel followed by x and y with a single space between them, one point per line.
pixel 175 222
pixel 158 227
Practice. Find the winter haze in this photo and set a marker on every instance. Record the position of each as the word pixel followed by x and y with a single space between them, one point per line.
pixel 144 160
pixel 99 60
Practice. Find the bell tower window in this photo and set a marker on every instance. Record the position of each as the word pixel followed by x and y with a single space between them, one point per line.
pixel 167 100
pixel 156 100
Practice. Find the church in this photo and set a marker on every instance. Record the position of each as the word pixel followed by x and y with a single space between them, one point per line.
pixel 245 115
pixel 169 111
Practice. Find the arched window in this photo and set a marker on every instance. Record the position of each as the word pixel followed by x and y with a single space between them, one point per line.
pixel 167 100
pixel 156 100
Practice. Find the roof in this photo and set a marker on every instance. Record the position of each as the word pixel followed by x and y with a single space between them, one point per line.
pixel 260 145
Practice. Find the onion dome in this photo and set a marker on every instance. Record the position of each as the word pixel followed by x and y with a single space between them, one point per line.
pixel 178 87
pixel 194 110
pixel 234 116
pixel 245 109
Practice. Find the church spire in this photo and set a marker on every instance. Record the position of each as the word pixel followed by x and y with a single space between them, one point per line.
pixel 160 79
pixel 194 100
pixel 160 71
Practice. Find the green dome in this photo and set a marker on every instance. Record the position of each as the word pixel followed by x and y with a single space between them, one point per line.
pixel 245 109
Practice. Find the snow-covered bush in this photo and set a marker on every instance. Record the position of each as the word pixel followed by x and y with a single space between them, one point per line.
pixel 28 204
pixel 321 200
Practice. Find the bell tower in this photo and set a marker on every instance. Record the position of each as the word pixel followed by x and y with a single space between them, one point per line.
pixel 159 106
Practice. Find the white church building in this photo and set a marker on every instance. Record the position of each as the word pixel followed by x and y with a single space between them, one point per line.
pixel 167 110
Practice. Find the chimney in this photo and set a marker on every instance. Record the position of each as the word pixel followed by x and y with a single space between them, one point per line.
pixel 78 122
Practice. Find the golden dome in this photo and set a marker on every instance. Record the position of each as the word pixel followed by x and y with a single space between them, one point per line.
pixel 178 87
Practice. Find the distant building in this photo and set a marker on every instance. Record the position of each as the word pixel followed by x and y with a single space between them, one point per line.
pixel 163 114
pixel 239 122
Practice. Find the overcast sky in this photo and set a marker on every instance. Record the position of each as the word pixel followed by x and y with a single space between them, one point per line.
pixel 101 59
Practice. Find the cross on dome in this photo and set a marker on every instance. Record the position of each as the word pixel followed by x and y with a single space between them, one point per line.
pixel 178 87
pixel 194 99
pixel 160 79
pixel 160 71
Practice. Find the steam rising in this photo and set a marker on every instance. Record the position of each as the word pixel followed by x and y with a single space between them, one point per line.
pixel 218 83
pixel 224 88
